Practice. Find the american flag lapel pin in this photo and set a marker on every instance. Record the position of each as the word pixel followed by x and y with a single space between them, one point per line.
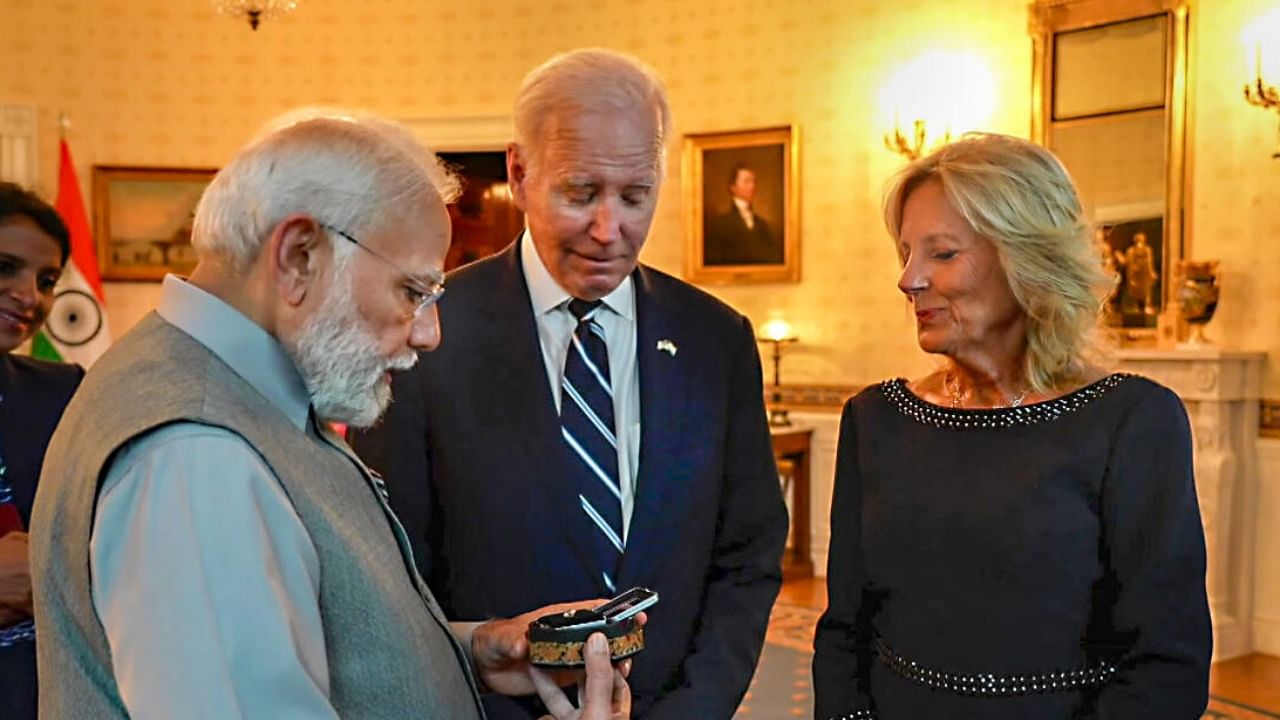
pixel 667 347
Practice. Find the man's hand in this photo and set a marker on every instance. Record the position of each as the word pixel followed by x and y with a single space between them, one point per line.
pixel 15 579
pixel 602 695
pixel 500 650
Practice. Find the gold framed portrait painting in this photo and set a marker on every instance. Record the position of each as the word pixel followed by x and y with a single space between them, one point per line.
pixel 742 206
pixel 142 220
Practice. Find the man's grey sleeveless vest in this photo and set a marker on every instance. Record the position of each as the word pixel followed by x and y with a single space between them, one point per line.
pixel 389 649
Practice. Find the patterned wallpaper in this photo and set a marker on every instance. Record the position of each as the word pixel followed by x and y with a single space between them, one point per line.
pixel 1235 205
pixel 169 82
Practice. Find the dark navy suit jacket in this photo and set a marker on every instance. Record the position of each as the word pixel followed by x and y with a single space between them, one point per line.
pixel 33 394
pixel 474 461
pixel 729 241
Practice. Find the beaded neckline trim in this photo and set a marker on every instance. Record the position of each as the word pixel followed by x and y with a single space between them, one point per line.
pixel 919 410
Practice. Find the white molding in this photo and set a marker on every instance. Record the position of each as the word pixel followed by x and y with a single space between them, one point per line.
pixel 1231 639
pixel 1129 211
pixel 1209 374
pixel 819 555
pixel 822 471
pixel 475 133
pixel 1266 615
pixel 18 144
pixel 1266 634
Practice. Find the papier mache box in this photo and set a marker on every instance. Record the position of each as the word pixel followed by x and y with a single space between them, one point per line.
pixel 559 640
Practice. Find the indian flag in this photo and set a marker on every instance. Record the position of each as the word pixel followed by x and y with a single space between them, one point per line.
pixel 76 330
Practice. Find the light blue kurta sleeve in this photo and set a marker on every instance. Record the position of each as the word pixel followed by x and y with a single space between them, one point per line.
pixel 207 583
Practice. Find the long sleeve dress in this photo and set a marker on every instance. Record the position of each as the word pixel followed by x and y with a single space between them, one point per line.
pixel 1045 561
pixel 33 394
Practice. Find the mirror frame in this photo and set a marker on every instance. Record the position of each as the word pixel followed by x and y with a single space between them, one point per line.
pixel 1050 17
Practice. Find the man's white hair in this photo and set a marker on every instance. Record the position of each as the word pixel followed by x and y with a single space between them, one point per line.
pixel 348 171
pixel 584 81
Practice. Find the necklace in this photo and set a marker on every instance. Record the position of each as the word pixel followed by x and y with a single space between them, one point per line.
pixel 951 384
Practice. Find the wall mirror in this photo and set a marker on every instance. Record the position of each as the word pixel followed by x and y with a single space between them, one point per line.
pixel 1110 98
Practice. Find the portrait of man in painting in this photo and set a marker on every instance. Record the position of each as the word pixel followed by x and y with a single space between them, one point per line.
pixel 744 206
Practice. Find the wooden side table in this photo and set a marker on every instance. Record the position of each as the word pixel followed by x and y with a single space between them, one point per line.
pixel 791 448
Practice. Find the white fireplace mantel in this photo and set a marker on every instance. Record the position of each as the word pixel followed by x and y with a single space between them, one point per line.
pixel 1220 389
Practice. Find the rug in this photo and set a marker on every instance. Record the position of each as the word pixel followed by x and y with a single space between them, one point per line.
pixel 783 684
pixel 782 687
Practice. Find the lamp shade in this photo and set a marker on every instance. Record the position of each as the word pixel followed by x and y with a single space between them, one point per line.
pixel 776 329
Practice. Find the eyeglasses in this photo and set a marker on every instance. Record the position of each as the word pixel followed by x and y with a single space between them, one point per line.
pixel 421 295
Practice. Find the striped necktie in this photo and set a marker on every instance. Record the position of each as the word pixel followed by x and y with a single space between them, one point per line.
pixel 586 423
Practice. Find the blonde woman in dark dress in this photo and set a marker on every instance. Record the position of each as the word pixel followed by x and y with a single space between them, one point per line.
pixel 1015 535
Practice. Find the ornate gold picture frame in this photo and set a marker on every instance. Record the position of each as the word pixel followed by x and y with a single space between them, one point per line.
pixel 742 206
pixel 142 220
pixel 1122 136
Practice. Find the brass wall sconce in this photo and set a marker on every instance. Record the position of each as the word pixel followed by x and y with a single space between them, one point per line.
pixel 778 333
pixel 1259 93
pixel 934 97
pixel 915 147
pixel 255 11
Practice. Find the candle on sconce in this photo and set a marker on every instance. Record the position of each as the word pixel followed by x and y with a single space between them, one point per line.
pixel 1263 89
pixel 941 94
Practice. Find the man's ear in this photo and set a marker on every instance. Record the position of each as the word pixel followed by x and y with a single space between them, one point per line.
pixel 517 174
pixel 297 251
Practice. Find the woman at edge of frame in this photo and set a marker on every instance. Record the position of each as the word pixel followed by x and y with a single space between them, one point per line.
pixel 34 246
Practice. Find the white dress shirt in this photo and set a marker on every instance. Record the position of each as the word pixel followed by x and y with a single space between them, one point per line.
pixel 204 578
pixel 618 320
pixel 744 209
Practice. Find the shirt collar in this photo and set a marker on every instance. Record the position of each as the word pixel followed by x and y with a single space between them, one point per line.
pixel 547 295
pixel 743 205
pixel 248 349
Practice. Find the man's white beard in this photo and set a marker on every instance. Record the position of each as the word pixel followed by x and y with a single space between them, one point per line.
pixel 339 361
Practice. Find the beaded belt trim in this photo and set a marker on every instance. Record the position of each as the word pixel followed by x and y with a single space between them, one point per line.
pixel 990 685
pixel 857 715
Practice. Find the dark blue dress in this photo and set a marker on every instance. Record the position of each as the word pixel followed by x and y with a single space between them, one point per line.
pixel 33 394
pixel 1044 562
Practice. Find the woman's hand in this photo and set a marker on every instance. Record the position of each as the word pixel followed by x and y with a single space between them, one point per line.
pixel 603 694
pixel 15 579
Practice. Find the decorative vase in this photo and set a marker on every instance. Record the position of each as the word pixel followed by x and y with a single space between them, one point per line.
pixel 1197 296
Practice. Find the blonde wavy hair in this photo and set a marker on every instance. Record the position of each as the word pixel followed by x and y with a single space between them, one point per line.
pixel 1018 195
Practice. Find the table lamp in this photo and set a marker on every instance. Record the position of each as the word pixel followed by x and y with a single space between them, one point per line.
pixel 777 332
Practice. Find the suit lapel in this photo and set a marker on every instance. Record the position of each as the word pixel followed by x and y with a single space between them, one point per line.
pixel 664 396
pixel 513 345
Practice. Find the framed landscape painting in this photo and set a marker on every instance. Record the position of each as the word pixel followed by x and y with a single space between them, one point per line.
pixel 142 220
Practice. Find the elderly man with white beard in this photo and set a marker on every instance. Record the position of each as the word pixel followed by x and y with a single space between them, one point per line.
pixel 203 544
